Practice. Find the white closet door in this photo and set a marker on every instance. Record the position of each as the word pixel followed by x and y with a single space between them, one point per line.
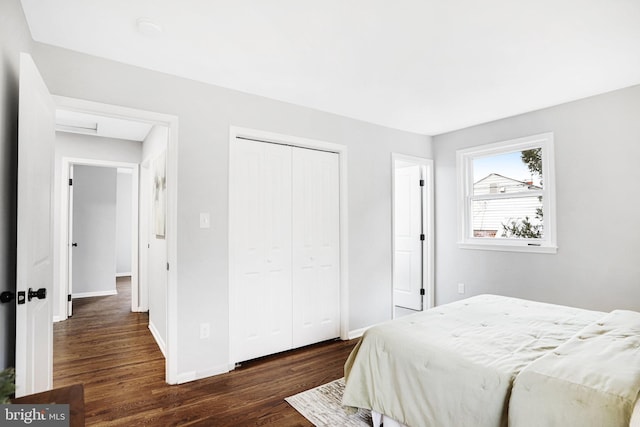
pixel 260 225
pixel 316 253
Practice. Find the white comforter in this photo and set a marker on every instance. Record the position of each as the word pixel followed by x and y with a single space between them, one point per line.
pixel 454 365
pixel 591 380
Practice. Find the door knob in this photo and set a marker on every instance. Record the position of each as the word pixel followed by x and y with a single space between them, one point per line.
pixel 40 293
pixel 75 245
pixel 7 296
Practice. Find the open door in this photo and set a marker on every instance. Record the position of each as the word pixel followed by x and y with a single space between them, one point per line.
pixel 412 234
pixel 70 245
pixel 34 269
pixel 409 235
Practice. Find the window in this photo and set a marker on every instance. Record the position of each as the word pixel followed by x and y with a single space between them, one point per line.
pixel 506 195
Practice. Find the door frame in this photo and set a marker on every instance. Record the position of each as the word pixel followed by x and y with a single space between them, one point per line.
pixel 428 276
pixel 341 150
pixel 66 218
pixel 171 122
pixel 145 216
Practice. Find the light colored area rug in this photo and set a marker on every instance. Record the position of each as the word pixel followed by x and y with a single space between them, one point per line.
pixel 323 407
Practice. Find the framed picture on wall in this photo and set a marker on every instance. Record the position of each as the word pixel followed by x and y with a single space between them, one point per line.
pixel 159 194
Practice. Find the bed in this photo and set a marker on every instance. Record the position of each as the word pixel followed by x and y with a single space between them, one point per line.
pixel 497 361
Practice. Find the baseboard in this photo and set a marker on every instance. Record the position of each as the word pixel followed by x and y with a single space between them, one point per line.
pixel 158 338
pixel 198 375
pixel 94 294
pixel 58 319
pixel 357 333
pixel 123 274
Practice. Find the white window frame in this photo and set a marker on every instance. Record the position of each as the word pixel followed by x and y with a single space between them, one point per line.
pixel 464 165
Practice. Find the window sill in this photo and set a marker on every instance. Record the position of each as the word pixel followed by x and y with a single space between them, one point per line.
pixel 509 247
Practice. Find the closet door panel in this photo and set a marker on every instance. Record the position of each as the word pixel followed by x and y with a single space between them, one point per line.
pixel 260 223
pixel 316 254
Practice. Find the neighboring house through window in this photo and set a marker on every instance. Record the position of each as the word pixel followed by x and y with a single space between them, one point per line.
pixel 506 195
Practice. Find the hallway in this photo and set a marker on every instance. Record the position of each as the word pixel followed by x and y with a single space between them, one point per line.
pixel 105 344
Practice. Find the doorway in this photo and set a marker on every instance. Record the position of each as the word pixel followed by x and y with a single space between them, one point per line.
pixel 39 219
pixel 412 234
pixel 102 228
pixel 165 125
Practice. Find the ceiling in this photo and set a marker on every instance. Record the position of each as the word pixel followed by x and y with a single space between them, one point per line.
pixel 426 66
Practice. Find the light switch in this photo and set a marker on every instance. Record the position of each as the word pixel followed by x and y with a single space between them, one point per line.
pixel 205 220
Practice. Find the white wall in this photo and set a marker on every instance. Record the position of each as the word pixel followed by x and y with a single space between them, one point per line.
pixel 94 230
pixel 82 147
pixel 597 147
pixel 14 38
pixel 123 222
pixel 156 248
pixel 205 113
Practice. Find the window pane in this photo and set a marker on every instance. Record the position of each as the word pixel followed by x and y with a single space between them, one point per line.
pixel 514 172
pixel 506 198
pixel 519 217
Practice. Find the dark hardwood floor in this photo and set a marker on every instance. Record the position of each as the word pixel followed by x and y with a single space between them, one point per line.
pixel 110 350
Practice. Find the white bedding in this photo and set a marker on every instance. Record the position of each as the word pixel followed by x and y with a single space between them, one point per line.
pixel 591 380
pixel 454 365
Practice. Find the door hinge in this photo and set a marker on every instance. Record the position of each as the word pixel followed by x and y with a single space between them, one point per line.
pixel 70 181
pixel 421 291
pixel 422 183
pixel 422 237
pixel 69 297
pixel 167 266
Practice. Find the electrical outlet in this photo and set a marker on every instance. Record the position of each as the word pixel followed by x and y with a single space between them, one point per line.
pixel 461 288
pixel 204 330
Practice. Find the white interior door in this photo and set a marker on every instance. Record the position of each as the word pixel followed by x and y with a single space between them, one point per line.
pixel 94 230
pixel 408 227
pixel 34 269
pixel 70 246
pixel 316 246
pixel 144 232
pixel 260 230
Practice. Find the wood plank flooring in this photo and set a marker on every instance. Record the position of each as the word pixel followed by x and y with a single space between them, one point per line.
pixel 110 350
